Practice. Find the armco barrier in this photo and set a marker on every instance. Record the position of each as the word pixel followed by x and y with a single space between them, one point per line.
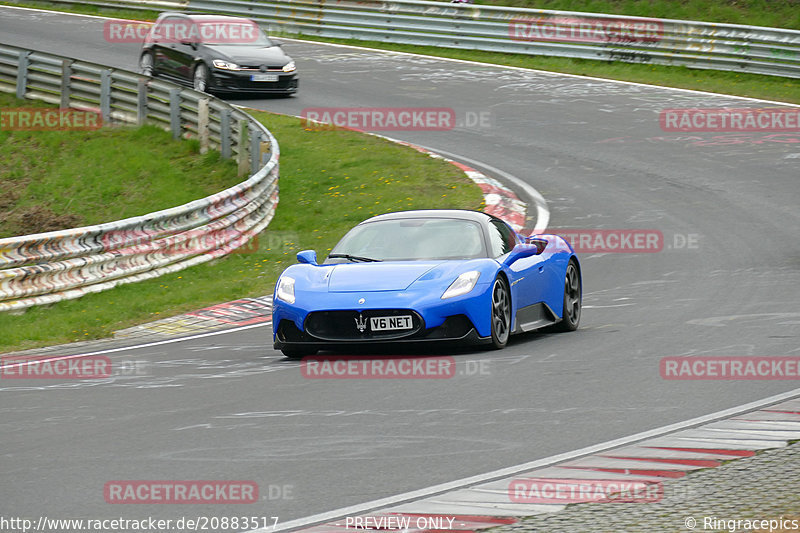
pixel 60 265
pixel 730 47
pixel 531 31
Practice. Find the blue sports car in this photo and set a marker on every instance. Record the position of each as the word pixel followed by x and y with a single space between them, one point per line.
pixel 435 275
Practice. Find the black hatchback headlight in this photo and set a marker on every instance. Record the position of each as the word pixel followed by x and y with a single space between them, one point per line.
pixel 225 65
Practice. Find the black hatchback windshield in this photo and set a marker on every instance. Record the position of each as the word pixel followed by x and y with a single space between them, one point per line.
pixel 232 33
pixel 412 239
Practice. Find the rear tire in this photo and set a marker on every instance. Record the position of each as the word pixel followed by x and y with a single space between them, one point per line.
pixel 573 296
pixel 501 313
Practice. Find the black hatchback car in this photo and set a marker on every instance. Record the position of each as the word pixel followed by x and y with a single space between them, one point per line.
pixel 217 54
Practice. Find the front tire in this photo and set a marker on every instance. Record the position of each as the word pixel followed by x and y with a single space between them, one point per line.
pixel 573 295
pixel 501 313
pixel 200 78
pixel 297 352
pixel 146 64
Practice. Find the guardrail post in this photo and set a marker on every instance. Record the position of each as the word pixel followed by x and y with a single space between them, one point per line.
pixel 265 151
pixel 225 134
pixel 241 156
pixel 105 96
pixel 202 124
pixel 255 147
pixel 141 101
pixel 175 113
pixel 22 73
pixel 66 82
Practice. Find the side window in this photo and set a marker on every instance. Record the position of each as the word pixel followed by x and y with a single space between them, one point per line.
pixel 501 237
pixel 170 30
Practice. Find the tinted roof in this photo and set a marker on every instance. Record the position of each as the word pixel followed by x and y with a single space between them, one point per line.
pixel 462 214
pixel 206 18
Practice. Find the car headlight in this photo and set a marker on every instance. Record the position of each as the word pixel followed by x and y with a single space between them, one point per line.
pixel 462 285
pixel 289 67
pixel 285 289
pixel 225 65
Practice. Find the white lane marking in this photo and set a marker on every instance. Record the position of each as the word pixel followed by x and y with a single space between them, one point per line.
pixel 542 212
pixel 538 71
pixel 134 347
pixel 467 61
pixel 505 472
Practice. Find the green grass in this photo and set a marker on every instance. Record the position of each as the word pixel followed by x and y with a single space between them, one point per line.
pixel 775 13
pixel 330 180
pixel 136 14
pixel 55 180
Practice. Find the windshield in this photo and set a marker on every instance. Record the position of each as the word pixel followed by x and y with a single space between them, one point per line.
pixel 411 239
pixel 233 33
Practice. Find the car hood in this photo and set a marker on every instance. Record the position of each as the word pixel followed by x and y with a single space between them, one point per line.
pixel 272 56
pixel 377 276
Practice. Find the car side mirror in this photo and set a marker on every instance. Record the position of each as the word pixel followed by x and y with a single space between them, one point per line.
pixel 538 241
pixel 190 43
pixel 521 251
pixel 277 42
pixel 307 257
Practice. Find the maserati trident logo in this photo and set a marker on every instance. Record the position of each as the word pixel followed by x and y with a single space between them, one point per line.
pixel 361 323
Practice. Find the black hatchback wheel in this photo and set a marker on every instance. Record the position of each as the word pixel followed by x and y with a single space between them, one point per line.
pixel 573 294
pixel 146 64
pixel 501 313
pixel 200 79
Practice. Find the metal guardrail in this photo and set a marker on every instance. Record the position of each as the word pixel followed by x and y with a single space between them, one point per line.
pixel 730 47
pixel 60 265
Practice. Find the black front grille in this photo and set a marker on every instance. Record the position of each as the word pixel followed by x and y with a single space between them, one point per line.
pixel 258 67
pixel 226 81
pixel 356 326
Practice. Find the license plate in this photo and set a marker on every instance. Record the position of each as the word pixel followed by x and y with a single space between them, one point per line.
pixel 388 323
pixel 263 77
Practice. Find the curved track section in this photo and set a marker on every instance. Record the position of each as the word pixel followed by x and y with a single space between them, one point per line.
pixel 229 407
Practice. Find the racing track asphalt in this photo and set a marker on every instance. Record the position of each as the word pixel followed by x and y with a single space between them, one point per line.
pixel 230 407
